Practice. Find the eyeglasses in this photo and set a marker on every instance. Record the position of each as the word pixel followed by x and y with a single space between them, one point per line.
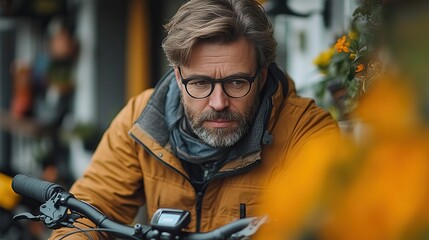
pixel 202 86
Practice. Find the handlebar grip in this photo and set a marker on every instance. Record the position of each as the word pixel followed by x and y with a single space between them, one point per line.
pixel 34 188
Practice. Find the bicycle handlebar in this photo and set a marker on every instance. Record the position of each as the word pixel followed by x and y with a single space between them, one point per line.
pixel 43 191
pixel 34 188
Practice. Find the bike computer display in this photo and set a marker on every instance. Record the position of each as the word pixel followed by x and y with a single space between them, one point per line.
pixel 170 220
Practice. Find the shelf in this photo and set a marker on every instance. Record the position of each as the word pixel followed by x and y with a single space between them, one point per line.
pixel 24 126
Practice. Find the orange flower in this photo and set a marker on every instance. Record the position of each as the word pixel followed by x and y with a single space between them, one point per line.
pixel 342 45
pixel 359 68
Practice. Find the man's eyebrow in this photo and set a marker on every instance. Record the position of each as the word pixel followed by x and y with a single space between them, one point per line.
pixel 238 74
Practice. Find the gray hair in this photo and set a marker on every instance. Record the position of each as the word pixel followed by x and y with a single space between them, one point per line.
pixel 218 21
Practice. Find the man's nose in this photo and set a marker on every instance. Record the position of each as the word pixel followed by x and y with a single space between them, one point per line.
pixel 218 100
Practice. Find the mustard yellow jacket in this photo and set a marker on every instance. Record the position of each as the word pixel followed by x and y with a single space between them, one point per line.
pixel 130 169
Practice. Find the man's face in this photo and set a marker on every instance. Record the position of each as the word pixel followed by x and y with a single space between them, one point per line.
pixel 218 119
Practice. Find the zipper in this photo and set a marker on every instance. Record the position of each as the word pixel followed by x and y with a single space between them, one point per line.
pixel 199 199
pixel 242 210
pixel 198 206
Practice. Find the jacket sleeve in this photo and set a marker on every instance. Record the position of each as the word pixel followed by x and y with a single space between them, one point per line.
pixel 113 180
pixel 312 124
pixel 305 120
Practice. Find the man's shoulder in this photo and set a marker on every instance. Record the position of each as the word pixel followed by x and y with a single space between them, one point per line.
pixel 142 98
pixel 298 114
pixel 136 104
pixel 300 102
pixel 303 113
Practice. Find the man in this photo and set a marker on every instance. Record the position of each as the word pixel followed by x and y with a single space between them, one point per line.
pixel 213 132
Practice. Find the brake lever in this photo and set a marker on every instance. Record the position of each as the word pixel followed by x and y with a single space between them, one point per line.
pixel 27 216
pixel 53 214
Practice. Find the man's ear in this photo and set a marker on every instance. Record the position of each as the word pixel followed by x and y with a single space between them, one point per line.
pixel 177 75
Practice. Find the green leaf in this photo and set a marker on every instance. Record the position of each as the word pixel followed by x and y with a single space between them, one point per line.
pixel 354 45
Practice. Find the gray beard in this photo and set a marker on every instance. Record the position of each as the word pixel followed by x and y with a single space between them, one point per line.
pixel 222 137
pixel 219 138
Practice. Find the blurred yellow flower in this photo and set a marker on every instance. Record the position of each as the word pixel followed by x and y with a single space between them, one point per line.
pixel 372 187
pixel 353 35
pixel 9 199
pixel 294 196
pixel 322 61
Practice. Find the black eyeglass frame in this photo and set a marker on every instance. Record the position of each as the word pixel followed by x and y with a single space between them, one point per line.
pixel 222 81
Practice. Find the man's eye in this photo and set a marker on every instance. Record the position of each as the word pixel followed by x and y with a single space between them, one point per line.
pixel 237 83
pixel 199 83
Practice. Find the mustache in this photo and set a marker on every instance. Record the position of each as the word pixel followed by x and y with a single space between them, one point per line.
pixel 224 114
